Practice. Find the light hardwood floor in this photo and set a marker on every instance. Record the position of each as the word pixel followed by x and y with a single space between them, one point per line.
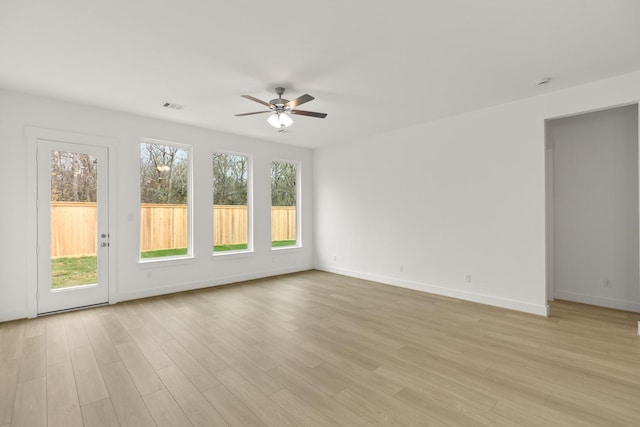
pixel 317 349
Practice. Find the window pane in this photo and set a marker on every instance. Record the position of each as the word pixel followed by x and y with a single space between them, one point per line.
pixel 74 192
pixel 164 200
pixel 230 203
pixel 284 193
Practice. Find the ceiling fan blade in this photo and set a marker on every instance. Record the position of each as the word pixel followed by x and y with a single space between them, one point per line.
pixel 255 112
pixel 259 101
pixel 309 113
pixel 299 101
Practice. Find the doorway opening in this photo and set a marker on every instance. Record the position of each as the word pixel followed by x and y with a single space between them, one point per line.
pixel 592 211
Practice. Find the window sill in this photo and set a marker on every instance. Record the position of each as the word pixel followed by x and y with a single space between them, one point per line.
pixel 167 261
pixel 232 254
pixel 284 249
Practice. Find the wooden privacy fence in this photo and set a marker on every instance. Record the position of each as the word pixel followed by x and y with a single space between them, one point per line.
pixel 162 226
pixel 283 223
pixel 73 229
pixel 229 224
pixel 73 226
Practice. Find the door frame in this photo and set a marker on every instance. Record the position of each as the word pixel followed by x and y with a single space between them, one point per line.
pixel 33 134
pixel 549 147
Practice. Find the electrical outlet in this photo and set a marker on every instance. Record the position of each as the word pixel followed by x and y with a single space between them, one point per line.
pixel 608 283
pixel 335 258
pixel 402 269
pixel 467 278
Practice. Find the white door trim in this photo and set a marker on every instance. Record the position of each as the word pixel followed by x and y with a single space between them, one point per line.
pixel 33 134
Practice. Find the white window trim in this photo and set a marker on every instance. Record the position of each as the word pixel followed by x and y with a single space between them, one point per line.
pixel 250 246
pixel 190 241
pixel 298 244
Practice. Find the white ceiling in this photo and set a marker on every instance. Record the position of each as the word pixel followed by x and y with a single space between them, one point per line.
pixel 372 65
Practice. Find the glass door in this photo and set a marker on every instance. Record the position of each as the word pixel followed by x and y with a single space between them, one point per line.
pixel 73 226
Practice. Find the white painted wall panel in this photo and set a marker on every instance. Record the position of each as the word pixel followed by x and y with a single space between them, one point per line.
pixel 463 195
pixel 134 280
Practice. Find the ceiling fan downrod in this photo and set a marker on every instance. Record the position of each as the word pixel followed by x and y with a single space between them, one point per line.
pixel 279 102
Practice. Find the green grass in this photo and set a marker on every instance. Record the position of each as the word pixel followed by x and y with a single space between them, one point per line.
pixel 236 247
pixel 278 243
pixel 163 252
pixel 75 271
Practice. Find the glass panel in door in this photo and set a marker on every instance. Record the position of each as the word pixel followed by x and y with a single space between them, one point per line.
pixel 74 179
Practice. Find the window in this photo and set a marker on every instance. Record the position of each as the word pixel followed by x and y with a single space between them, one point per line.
pixel 284 196
pixel 165 200
pixel 231 230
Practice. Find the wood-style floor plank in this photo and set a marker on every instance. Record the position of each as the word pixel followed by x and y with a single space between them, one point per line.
pixel 74 329
pixel 322 402
pixel 197 408
pixel 140 370
pixel 103 348
pixel 89 382
pixel 266 410
pixel 57 345
pixel 299 409
pixel 63 407
pixel 152 351
pixel 318 349
pixel 232 409
pixel 12 336
pixel 34 360
pixel 9 370
pixel 197 374
pixel 164 409
pixel 30 408
pixel 100 414
pixel 246 367
pixel 127 402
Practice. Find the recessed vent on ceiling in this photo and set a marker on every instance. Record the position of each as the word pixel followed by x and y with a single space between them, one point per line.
pixel 173 105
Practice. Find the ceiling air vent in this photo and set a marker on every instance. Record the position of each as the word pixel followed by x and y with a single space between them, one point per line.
pixel 172 105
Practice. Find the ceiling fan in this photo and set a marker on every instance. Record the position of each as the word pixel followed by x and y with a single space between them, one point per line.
pixel 282 108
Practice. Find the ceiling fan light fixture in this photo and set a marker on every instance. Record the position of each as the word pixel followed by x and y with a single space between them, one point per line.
pixel 286 120
pixel 274 120
pixel 279 120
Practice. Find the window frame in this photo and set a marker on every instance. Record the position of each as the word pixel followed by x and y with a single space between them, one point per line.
pixel 298 244
pixel 250 245
pixel 190 255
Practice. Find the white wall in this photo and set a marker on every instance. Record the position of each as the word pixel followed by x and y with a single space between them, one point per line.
pixel 463 195
pixel 595 163
pixel 18 111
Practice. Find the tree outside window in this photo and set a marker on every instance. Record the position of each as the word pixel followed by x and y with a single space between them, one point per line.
pixel 230 202
pixel 164 200
pixel 284 213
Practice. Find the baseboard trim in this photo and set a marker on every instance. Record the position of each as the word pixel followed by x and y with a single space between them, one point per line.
pixel 598 300
pixel 540 310
pixel 9 315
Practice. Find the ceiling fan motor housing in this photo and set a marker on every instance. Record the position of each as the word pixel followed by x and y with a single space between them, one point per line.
pixel 279 101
